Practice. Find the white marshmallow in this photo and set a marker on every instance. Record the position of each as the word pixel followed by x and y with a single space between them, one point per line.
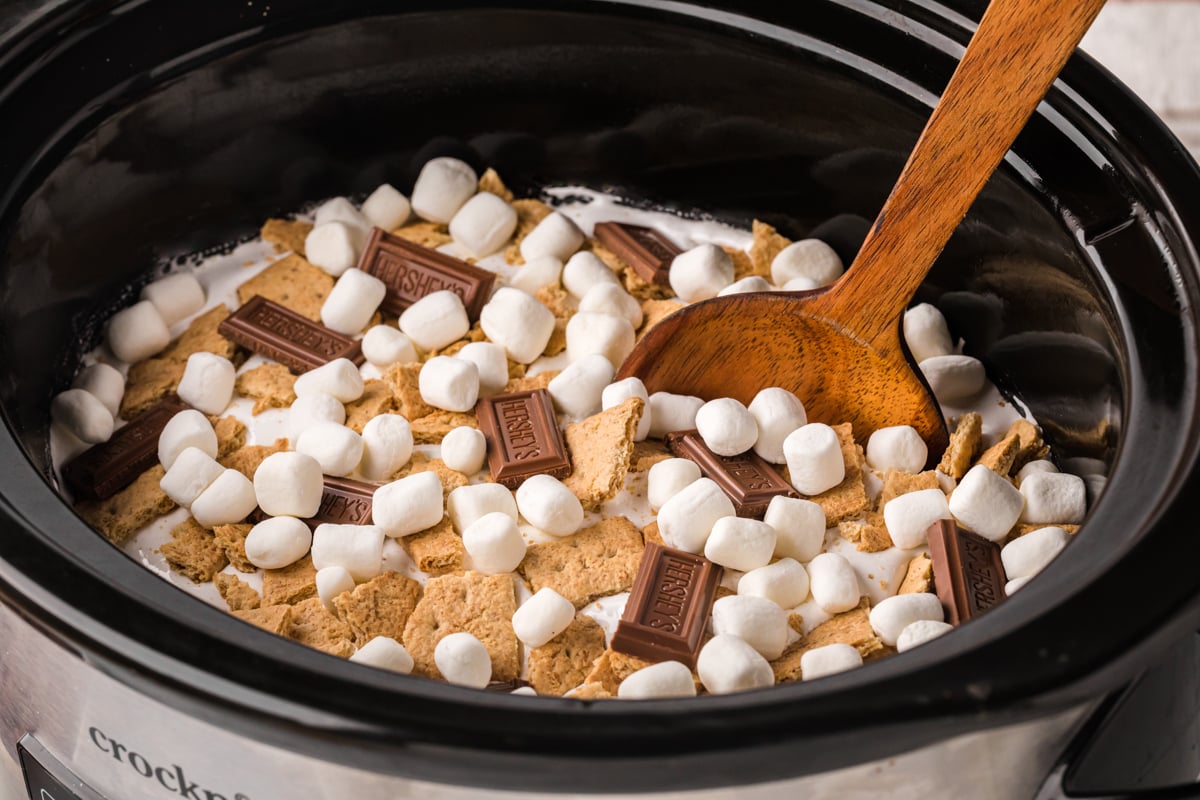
pixel 584 270
pixel 409 505
pixel 333 247
pixel 228 499
pixel 1012 586
pixel 751 283
pixel 494 543
pixel 449 383
pixel 137 332
pixel 387 446
pixel 741 544
pixel 986 503
pixel 577 390
pixel 954 378
pixel 517 322
pixel 436 320
pixel 664 679
pixel 919 632
pixel 909 516
pixel 548 505
pixel 383 345
pixel 799 527
pixel 464 449
pixel 207 382
pixel 814 458
pixel 442 187
pixel 1028 555
pixel 386 208
pixel 176 296
pixel 801 283
pixel 188 428
pixel 668 478
pixel 726 426
pixel 1053 498
pixel 672 412
pixel 289 485
pixel 893 614
pixel 192 473
pixel 277 542
pixel 483 225
pixel 542 617
pixel 103 382
pixel 757 621
pixel 536 274
pixel 833 583
pixel 829 660
pixel 807 258
pixel 555 236
pixel 527 691
pixel 331 582
pixel 1041 465
pixel 609 336
pixel 468 503
pixel 384 652
pixel 616 393
pixel 358 549
pixel 686 520
pixel 310 409
pixel 339 209
pixel 352 302
pixel 335 447
pixel 339 378
pixel 898 447
pixel 727 664
pixel 491 362
pixel 700 273
pixel 926 333
pixel 784 583
pixel 778 412
pixel 611 299
pixel 83 415
pixel 461 658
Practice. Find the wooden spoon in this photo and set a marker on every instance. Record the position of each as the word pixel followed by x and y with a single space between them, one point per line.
pixel 839 348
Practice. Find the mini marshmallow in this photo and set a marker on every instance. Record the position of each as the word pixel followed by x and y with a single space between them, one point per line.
pixel 893 614
pixel 333 247
pixel 386 208
pixel 986 503
pixel 483 225
pixel 664 679
pixel 577 390
pixel 331 582
pixel 494 543
pixel 449 383
pixel 672 412
pixel 536 274
pixel 188 428
pixel 384 652
pixel 339 209
pixel 358 549
pixel 228 499
pixel 464 449
pixel 829 660
pixel 517 322
pixel 468 503
pixel 176 296
pixel 383 345
pixel 741 544
pixel 833 583
pixel 1041 465
pixel 436 320
pixel 207 382
pixel 807 258
pixel 527 691
pixel 616 393
pixel 611 299
pixel 727 664
pixel 898 447
pixel 339 378
pixel 137 332
pixel 909 516
pixel 799 527
pixel 289 485
pixel 555 236
pixel 954 378
pixel 387 446
pixel 491 362
pixel 700 273
pixel 603 334
pixel 926 333
pixel 548 505
pixel 751 283
pixel 83 415
pixel 352 302
pixel 814 458
pixel 919 632
pixel 278 542
pixel 758 622
pixel 461 658
pixel 668 478
pixel 1053 497
pixel 585 270
pixel 1028 555
pixel 784 583
pixel 542 617
pixel 686 520
pixel 1012 586
pixel 409 505
pixel 726 426
pixel 103 382
pixel 311 409
pixel 442 187
pixel 335 447
pixel 193 471
pixel 778 412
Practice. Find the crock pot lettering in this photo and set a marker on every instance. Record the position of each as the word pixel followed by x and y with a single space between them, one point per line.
pixel 748 479
pixel 411 272
pixel 269 329
pixel 523 437
pixel 171 778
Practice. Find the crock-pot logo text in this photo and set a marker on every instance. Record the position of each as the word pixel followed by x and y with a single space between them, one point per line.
pixel 171 777
pixel 672 586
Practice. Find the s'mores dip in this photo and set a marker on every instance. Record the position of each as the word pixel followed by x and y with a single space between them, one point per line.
pixel 392 431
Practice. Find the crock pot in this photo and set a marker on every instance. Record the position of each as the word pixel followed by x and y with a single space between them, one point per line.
pixel 133 133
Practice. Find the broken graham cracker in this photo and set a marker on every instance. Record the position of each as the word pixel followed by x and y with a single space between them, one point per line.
pixel 530 383
pixel 433 427
pixel 247 459
pixel 590 691
pixel 851 627
pixel 869 534
pixel 651 534
pixel 231 435
pixel 596 562
pixel 612 667
pixel 269 385
pixel 377 398
pixel 849 498
pixel 599 448
pixel 965 442
pixel 426 234
pixel 129 510
pixel 451 478
pixel 287 235
pixel 436 551
pixel 919 577
pixel 767 244
pixel 290 585
pixel 1020 444
pixel 743 267
pixel 379 607
pixel 654 312
pixel 232 539
pixel 313 625
pixel 236 593
pixel 647 453
pixel 999 457
pixel 897 482
pixel 404 381
pixel 559 302
pixel 481 605
pixel 490 182
pixel 194 552
pixel 293 283
pixel 566 660
pixel 274 619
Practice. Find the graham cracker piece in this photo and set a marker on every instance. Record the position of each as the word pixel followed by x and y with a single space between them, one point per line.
pixel 232 539
pixel 292 282
pixel 565 661
pixel 153 379
pixel 287 235
pixel 247 459
pixel 590 691
pixel 1032 447
pixel 530 383
pixel 743 267
pixel 451 478
pixel 596 562
pixel 796 622
pixel 558 300
pixel 612 667
pixel 231 435
pixel 436 551
pixel 655 311
pixel 999 457
pixel 236 593
pixel 849 498
pixel 870 534
pixel 516 369
pixel 129 510
pixel 427 234
pixel 481 605
pixel 313 625
pixel 529 213
pixel 599 448
pixel 850 627
pixel 377 398
pixel 433 427
pixel 379 607
pixel 474 334
pixel 270 385
pixel 490 182
pixel 767 244
pixel 651 534
pixel 291 585
pixel 275 619
pixel 193 552
pixel 897 482
pixel 404 380
pixel 919 577
pixel 647 453
pixel 965 442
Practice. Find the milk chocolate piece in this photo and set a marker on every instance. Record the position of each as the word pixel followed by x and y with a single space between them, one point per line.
pixel 647 251
pixel 344 502
pixel 106 468
pixel 749 480
pixel 668 607
pixel 967 571
pixel 523 438
pixel 410 272
pixel 269 329
pixel 508 686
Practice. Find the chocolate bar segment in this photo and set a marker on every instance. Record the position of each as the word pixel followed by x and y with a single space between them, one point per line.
pixel 647 251
pixel 668 607
pixel 523 438
pixel 749 480
pixel 967 571
pixel 269 329
pixel 106 468
pixel 410 272
pixel 344 502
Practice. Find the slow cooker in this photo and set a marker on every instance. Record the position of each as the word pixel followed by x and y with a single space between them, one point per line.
pixel 136 132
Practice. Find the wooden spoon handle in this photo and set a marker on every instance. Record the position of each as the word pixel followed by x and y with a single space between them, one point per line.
pixel 1017 51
